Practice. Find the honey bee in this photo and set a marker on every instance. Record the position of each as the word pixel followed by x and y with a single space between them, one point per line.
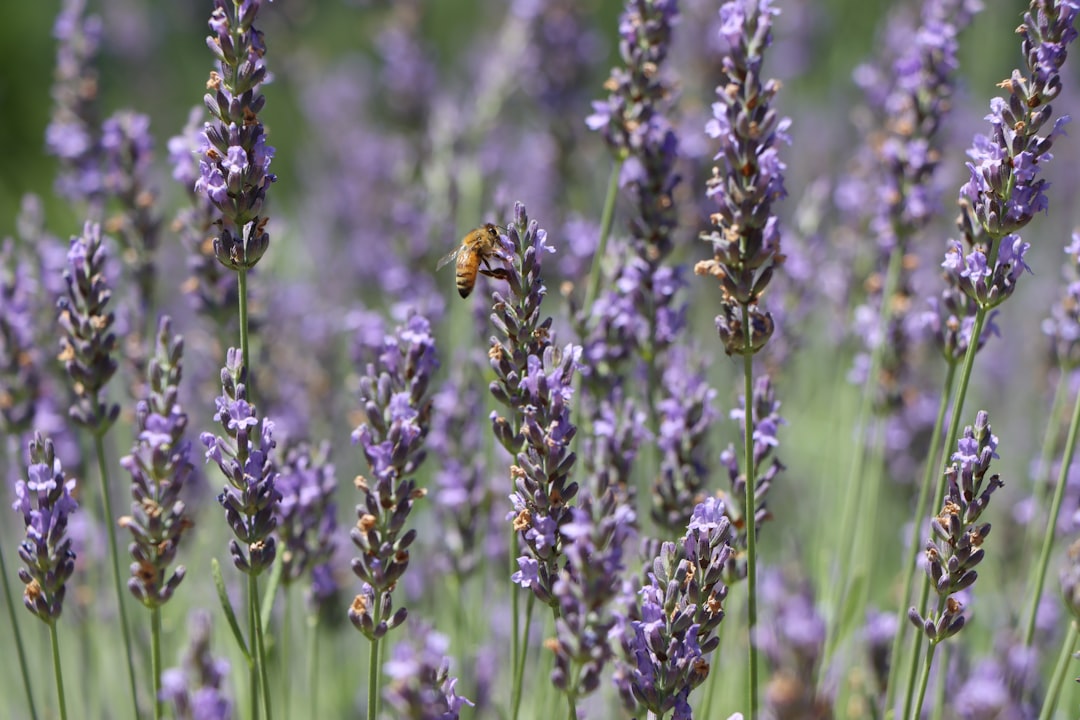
pixel 472 256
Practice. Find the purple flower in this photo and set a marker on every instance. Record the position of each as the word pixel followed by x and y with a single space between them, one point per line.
pixel 671 629
pixel 397 412
pixel 159 467
pixel 88 346
pixel 20 374
pixel 534 382
pixel 234 167
pixel 306 515
pixel 44 500
pixel 951 561
pixel 749 177
pixel 243 454
pixel 196 690
pixel 420 686
pixel 72 135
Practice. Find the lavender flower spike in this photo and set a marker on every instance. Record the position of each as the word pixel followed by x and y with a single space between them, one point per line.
pixel 1004 191
pixel 20 376
pixel 306 514
pixel 44 500
pixel 195 689
pixel 88 346
pixel 243 454
pixel 748 178
pixel 398 417
pixel 951 562
pixel 159 467
pixel 672 629
pixel 235 165
pixel 420 685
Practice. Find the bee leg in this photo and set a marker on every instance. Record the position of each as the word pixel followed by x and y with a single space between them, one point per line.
pixel 496 273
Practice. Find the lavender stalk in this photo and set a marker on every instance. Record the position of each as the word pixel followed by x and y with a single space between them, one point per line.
pixel 746 241
pixel 87 351
pixel 45 503
pixel 235 165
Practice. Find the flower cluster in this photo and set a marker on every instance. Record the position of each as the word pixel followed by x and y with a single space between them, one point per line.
pixel 44 500
pixel 243 454
pixel 20 377
pixel 235 165
pixel 420 684
pixel 594 539
pixel 307 516
pixel 72 134
pixel 464 498
pixel 686 414
pixel 126 146
pixel 159 467
pixel 746 241
pixel 1062 328
pixel 534 380
pixel 88 346
pixel 397 413
pixel 633 122
pixel 952 558
pixel 674 625
pixel 196 690
pixel 792 638
pixel 765 422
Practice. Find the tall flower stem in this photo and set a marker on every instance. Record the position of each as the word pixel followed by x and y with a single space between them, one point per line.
pixel 1046 455
pixel 155 658
pixel 313 664
pixel 19 649
pixel 260 645
pixel 110 526
pixel 245 349
pixel 1051 523
pixel 1061 668
pixel 750 505
pixel 57 671
pixel 523 646
pixel 922 508
pixel 373 669
pixel 516 645
pixel 254 662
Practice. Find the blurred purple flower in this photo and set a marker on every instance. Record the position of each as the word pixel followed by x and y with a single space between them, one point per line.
pixel 159 468
pixel 196 690
pixel 420 686
pixel 306 516
pixel 20 374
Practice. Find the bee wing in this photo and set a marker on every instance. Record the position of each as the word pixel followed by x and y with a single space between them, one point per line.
pixel 448 258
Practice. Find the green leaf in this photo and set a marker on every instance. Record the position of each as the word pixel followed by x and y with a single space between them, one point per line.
pixel 219 583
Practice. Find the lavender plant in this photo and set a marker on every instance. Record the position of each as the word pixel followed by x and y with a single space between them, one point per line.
pixel 87 352
pixel 159 468
pixel 420 685
pixel 672 629
pixel 194 690
pixel 397 413
pixel 956 548
pixel 250 500
pixel 44 500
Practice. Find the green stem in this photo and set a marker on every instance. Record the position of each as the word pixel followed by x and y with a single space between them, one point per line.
pixel 373 662
pixel 313 663
pixel 924 680
pixel 939 690
pixel 571 707
pixel 155 657
pixel 57 671
pixel 286 627
pixel 1046 457
pixel 854 483
pixel 1061 668
pixel 253 661
pixel 118 586
pixel 260 652
pixel 245 348
pixel 606 218
pixel 1051 522
pixel 749 515
pixel 922 509
pixel 19 649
